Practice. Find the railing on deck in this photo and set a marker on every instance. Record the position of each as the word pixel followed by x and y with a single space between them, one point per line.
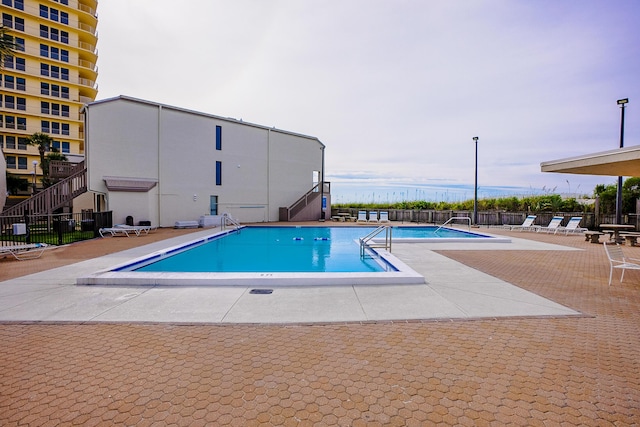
pixel 58 195
pixel 286 214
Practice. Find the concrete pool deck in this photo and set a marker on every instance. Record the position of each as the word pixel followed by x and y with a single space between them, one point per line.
pixel 521 371
pixel 452 291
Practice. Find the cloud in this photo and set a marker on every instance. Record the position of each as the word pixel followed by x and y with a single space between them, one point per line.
pixel 394 89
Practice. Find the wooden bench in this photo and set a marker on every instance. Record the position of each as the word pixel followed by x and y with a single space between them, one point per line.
pixel 593 236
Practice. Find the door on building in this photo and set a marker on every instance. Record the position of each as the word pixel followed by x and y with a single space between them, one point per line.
pixel 213 205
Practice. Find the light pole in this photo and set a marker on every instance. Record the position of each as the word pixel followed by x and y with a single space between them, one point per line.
pixel 35 163
pixel 475 187
pixel 621 103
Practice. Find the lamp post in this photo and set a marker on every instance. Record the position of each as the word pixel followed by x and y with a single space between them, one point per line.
pixel 35 163
pixel 621 103
pixel 475 187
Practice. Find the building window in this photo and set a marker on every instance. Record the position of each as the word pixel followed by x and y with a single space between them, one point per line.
pixel 65 110
pixel 218 173
pixel 55 128
pixel 9 101
pixel 21 104
pixel 8 82
pixel 22 123
pixel 218 137
pixel 17 63
pixel 19 43
pixel 17 4
pixel 11 162
pixel 11 142
pixel 65 128
pixel 62 147
pixel 65 92
pixel 55 109
pixel 21 84
pixel 10 21
pixel 44 107
pixel 9 122
pixel 45 126
pixel 22 163
pixel 22 143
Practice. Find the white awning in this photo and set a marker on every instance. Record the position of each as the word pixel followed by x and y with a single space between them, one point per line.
pixel 621 162
pixel 120 183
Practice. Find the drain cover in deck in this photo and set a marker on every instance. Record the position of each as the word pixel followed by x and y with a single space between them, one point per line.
pixel 261 291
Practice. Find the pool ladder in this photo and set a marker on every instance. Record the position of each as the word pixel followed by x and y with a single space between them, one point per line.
pixel 454 218
pixel 367 244
pixel 227 220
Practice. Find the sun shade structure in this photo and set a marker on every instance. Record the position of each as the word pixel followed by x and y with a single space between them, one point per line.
pixel 619 162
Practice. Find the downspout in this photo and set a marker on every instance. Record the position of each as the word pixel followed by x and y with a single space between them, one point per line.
pixel 268 174
pixel 85 110
pixel 322 211
pixel 158 168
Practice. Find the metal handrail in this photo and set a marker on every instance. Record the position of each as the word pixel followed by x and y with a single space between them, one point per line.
pixel 365 241
pixel 451 219
pixel 226 220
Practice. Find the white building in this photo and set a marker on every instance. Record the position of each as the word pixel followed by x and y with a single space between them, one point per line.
pixel 164 164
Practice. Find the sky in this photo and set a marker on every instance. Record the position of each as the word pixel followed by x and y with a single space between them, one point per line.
pixel 396 89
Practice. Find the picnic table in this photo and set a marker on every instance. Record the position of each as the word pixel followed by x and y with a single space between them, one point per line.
pixel 616 229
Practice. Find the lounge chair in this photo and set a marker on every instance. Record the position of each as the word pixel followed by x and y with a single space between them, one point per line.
pixel 527 224
pixel 124 230
pixel 384 216
pixel 618 260
pixel 362 216
pixel 573 226
pixel 553 225
pixel 25 251
pixel 373 216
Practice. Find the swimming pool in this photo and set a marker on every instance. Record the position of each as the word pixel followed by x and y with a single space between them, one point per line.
pixel 273 256
pixel 272 249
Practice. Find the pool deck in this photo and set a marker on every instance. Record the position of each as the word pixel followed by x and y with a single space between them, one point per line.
pixel 525 333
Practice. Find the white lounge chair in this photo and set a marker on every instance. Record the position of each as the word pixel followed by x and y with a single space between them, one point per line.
pixel 384 216
pixel 527 224
pixel 362 216
pixel 553 225
pixel 573 226
pixel 25 251
pixel 618 260
pixel 124 230
pixel 373 216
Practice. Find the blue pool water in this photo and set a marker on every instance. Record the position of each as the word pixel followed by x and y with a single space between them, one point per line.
pixel 276 249
pixel 286 249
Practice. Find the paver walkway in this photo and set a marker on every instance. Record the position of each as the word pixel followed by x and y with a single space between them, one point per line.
pixel 513 371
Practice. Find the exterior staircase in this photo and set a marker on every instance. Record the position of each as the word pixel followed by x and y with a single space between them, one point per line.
pixel 307 207
pixel 55 197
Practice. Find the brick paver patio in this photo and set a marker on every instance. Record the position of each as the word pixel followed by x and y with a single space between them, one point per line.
pixel 517 371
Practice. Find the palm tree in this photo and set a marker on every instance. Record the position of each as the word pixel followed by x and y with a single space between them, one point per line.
pixel 7 46
pixel 43 142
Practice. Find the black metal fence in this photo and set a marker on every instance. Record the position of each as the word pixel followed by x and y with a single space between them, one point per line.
pixel 56 229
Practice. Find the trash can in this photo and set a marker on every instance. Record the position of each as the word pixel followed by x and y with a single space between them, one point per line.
pixel 87 224
pixel 129 220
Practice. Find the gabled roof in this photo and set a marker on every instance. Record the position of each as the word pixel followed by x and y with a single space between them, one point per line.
pixel 620 162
